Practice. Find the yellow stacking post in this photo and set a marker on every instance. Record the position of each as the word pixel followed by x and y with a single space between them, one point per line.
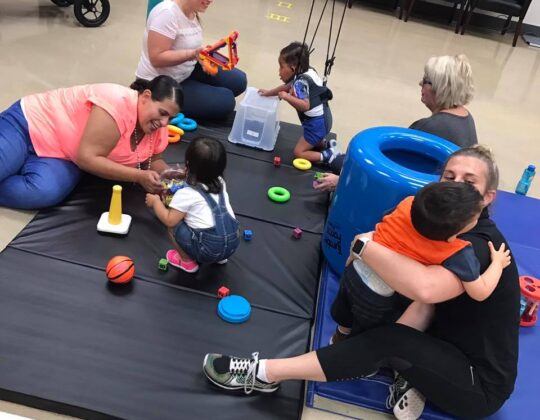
pixel 115 211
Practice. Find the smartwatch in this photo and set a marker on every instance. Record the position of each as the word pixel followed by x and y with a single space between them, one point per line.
pixel 359 246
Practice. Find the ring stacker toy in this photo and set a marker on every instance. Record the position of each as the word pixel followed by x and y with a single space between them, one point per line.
pixel 279 194
pixel 113 221
pixel 211 60
pixel 530 290
pixel 186 124
pixel 175 133
pixel 302 164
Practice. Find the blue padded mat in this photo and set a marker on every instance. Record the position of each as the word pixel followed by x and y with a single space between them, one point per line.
pixel 518 219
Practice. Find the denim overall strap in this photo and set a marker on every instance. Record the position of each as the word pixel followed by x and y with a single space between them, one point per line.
pixel 218 211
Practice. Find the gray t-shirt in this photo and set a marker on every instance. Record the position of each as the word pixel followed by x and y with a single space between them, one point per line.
pixel 459 130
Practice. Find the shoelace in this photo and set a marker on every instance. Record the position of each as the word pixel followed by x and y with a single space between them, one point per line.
pixel 246 371
pixel 396 391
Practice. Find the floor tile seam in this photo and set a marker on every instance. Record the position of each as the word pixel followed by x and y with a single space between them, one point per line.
pixel 163 284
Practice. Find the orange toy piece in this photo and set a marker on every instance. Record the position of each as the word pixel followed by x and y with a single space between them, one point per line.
pixel 175 133
pixel 211 60
pixel 120 269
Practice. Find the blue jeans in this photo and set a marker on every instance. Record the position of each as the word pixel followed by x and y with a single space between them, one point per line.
pixel 213 244
pixel 26 180
pixel 212 97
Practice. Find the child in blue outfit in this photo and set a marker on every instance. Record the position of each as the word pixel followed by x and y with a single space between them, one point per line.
pixel 303 89
pixel 201 222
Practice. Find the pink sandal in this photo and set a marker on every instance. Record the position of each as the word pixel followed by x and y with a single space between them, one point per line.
pixel 173 257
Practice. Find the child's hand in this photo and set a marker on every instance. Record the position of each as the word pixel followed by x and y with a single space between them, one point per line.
pixel 151 199
pixel 283 95
pixel 264 92
pixel 500 256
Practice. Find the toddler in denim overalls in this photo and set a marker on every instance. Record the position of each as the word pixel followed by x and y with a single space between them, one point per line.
pixel 201 222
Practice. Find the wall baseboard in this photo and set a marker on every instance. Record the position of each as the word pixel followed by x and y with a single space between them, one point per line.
pixel 440 11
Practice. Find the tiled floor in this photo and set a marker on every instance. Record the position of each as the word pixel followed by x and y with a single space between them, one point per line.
pixel 375 79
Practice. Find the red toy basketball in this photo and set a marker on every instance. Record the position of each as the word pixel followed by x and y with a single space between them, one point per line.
pixel 120 269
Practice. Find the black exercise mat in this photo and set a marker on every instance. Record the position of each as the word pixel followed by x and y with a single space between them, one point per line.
pixel 248 181
pixel 273 270
pixel 74 345
pixel 287 138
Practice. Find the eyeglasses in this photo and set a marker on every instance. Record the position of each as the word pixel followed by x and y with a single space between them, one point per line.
pixel 425 81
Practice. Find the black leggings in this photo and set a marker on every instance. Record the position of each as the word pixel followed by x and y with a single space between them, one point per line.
pixel 439 370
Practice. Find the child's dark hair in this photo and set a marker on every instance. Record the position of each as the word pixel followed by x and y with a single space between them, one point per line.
pixel 206 160
pixel 296 55
pixel 162 87
pixel 442 209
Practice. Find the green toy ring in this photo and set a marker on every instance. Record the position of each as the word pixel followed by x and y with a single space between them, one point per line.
pixel 279 194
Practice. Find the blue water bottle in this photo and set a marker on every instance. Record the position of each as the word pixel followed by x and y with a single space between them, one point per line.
pixel 526 179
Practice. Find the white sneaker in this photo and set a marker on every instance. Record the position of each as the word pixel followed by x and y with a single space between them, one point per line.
pixel 410 406
pixel 406 402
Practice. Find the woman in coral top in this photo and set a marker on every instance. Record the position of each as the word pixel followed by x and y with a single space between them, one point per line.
pixel 105 129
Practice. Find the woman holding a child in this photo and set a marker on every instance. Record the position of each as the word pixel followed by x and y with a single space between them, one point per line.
pixel 463 360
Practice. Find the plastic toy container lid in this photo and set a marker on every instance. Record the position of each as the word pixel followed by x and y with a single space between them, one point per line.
pixel 234 309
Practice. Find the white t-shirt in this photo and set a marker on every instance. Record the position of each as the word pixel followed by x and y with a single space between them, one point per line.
pixel 198 213
pixel 167 19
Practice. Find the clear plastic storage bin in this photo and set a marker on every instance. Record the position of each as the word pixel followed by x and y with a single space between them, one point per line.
pixel 256 123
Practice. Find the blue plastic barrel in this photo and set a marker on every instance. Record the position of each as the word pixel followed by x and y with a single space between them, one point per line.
pixel 151 4
pixel 383 165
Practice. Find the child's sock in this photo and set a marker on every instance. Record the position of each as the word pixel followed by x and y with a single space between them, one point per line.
pixel 261 371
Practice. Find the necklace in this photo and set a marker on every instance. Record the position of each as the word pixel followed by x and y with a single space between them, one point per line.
pixel 138 136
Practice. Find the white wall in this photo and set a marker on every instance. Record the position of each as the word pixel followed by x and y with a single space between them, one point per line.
pixel 533 15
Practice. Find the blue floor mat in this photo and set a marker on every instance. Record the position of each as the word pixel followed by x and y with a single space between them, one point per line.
pixel 518 219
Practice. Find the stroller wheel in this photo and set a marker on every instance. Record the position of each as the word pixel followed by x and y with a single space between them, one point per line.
pixel 92 13
pixel 63 3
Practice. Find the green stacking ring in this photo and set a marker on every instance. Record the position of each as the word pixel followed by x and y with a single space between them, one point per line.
pixel 279 194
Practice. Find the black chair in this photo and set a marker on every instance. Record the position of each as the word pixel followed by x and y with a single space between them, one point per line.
pixel 510 8
pixel 458 5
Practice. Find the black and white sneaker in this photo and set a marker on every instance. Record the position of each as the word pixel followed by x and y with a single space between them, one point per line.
pixel 406 402
pixel 331 152
pixel 235 373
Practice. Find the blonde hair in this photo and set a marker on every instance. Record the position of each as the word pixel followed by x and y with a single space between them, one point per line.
pixel 484 154
pixel 451 80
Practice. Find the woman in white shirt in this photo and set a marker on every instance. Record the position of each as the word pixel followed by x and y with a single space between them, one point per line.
pixel 171 44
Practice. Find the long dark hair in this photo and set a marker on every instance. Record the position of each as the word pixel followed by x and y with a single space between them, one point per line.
pixel 206 160
pixel 162 87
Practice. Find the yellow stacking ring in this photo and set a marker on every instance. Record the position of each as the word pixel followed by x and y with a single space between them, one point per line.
pixel 173 129
pixel 301 164
pixel 174 133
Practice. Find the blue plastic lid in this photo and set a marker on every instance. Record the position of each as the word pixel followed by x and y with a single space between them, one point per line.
pixel 234 309
pixel 531 168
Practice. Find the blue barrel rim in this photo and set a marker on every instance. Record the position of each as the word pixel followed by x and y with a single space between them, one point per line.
pixel 407 138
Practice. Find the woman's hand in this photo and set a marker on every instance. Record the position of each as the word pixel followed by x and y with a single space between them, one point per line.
pixel 150 181
pixel 195 53
pixel 500 256
pixel 352 255
pixel 264 92
pixel 151 199
pixel 328 182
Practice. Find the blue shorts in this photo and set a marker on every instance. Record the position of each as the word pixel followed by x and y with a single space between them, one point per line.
pixel 315 130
